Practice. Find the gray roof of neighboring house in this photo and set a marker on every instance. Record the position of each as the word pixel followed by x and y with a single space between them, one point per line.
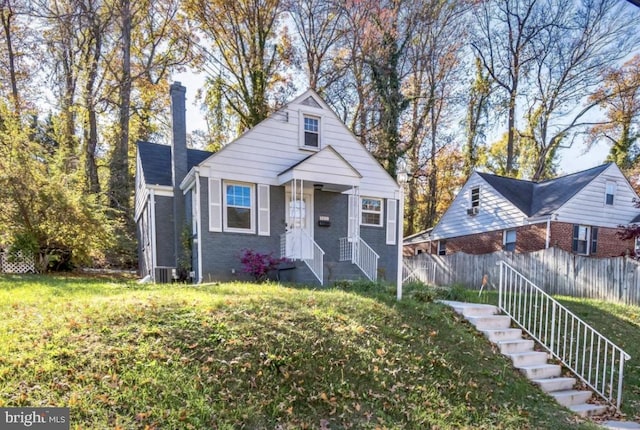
pixel 156 161
pixel 542 198
pixel 420 237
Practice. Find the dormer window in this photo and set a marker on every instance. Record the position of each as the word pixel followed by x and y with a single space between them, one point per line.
pixel 311 132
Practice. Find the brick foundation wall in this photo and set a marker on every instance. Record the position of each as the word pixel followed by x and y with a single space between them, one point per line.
pixel 609 245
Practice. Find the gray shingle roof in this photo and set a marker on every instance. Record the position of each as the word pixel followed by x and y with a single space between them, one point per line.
pixel 156 162
pixel 542 198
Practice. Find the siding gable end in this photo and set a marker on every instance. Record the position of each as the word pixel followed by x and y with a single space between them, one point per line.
pixel 495 212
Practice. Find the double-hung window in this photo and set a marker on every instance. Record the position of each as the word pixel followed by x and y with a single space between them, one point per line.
pixel 311 132
pixel 371 212
pixel 238 207
pixel 585 239
pixel 442 247
pixel 509 240
pixel 610 193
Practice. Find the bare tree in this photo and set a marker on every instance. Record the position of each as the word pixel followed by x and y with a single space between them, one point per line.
pixel 507 31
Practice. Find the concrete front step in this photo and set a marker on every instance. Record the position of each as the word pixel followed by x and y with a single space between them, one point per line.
pixel 472 309
pixel 588 410
pixel 498 335
pixel 514 346
pixel 532 363
pixel 549 385
pixel 493 322
pixel 541 371
pixel 571 397
pixel 530 358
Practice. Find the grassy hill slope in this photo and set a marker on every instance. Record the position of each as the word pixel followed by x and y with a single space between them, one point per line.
pixel 126 356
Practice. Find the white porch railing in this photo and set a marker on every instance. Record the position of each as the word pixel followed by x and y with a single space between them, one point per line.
pixel 592 357
pixel 360 254
pixel 315 261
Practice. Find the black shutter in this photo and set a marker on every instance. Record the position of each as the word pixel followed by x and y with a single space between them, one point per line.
pixel 576 232
pixel 594 240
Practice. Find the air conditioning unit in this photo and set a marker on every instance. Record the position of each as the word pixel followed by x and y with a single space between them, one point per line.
pixel 473 210
pixel 164 275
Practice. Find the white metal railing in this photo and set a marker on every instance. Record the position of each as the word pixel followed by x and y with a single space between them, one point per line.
pixel 593 358
pixel 308 251
pixel 361 254
pixel 414 270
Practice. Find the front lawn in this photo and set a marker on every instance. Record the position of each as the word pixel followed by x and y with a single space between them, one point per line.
pixel 128 356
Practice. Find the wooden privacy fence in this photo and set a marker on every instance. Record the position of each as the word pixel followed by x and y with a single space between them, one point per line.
pixel 615 279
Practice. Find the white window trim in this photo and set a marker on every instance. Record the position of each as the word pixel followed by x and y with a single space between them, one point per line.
pixel 381 212
pixel 252 208
pixel 301 140
pixel 442 246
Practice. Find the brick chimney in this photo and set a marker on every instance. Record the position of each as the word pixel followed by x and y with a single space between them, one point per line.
pixel 178 160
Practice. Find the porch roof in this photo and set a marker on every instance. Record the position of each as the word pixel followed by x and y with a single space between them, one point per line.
pixel 325 167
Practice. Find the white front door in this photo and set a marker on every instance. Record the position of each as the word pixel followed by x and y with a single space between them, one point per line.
pixel 299 219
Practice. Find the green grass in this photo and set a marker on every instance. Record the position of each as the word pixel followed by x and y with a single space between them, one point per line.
pixel 225 356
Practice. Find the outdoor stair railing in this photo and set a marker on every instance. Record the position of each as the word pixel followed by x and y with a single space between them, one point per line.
pixel 315 261
pixel 361 254
pixel 589 355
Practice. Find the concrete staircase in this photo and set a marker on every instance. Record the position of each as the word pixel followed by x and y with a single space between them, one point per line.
pixel 534 364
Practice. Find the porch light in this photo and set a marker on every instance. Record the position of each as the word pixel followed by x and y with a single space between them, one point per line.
pixel 402 175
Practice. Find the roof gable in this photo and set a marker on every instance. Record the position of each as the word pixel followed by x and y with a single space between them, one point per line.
pixel 542 198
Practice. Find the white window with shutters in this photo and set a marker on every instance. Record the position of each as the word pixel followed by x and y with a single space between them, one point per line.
pixel 215 204
pixel 392 221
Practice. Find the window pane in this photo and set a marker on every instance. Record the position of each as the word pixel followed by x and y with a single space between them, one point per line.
pixel 475 197
pixel 238 195
pixel 311 139
pixel 609 199
pixel 370 218
pixel 238 218
pixel 311 124
pixel 371 205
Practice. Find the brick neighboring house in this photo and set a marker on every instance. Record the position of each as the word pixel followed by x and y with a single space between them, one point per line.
pixel 579 213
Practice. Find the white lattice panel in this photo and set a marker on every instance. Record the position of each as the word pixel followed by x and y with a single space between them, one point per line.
pixel 22 264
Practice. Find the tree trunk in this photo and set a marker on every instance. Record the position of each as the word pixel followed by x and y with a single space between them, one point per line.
pixel 119 168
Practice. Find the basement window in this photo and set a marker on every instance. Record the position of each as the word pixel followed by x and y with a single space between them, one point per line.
pixel 509 240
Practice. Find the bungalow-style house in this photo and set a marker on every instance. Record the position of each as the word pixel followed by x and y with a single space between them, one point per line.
pixel 579 213
pixel 298 185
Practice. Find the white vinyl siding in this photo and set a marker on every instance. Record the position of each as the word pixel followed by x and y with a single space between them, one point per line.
pixel 497 213
pixel 271 147
pixel 392 221
pixel 588 207
pixel 264 228
pixel 215 205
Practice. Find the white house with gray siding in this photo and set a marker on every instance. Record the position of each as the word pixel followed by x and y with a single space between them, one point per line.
pixel 298 185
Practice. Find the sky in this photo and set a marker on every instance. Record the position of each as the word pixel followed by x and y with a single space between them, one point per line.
pixel 572 159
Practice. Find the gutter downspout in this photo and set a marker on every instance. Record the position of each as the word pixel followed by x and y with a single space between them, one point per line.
pixel 548 241
pixel 152 209
pixel 198 228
